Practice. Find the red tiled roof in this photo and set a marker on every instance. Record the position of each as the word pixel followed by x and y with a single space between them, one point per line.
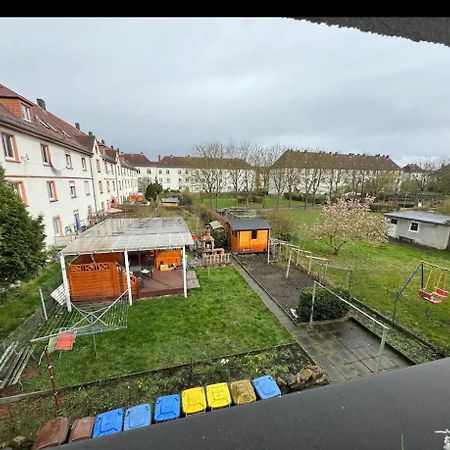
pixel 5 92
pixel 138 160
pixel 195 162
pixel 325 160
pixel 45 124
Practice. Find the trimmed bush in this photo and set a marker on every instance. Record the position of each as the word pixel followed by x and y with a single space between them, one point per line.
pixel 326 305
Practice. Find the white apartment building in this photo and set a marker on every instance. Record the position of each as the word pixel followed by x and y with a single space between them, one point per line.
pixel 53 166
pixel 324 172
pixel 178 173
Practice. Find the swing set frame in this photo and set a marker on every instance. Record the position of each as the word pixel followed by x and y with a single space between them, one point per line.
pixel 435 297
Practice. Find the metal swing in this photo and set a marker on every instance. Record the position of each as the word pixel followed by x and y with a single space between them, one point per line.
pixel 439 293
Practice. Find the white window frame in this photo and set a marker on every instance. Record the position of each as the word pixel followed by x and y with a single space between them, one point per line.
pixel 26 112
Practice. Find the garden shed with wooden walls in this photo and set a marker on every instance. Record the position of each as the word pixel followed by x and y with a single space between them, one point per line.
pixel 249 235
pixel 120 256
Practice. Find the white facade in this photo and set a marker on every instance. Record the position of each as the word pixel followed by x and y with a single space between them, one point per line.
pixel 63 185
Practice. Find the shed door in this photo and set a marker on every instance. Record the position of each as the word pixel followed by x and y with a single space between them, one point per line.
pixel 245 239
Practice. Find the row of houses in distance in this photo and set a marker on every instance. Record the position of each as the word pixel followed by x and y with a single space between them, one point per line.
pixel 59 171
pixel 302 171
pixel 195 174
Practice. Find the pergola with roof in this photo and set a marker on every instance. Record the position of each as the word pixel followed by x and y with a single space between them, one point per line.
pixel 129 235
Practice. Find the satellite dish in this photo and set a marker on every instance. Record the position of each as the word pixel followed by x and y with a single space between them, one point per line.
pixel 58 161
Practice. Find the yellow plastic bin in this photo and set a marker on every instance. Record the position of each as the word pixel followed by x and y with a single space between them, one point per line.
pixel 242 392
pixel 193 400
pixel 218 395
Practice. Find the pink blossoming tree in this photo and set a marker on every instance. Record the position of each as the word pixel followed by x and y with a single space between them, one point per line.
pixel 350 220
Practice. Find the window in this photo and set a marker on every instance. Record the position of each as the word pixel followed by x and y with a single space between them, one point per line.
pixel 235 234
pixel 149 170
pixel 254 234
pixel 87 188
pixel 414 226
pixel 394 221
pixel 180 180
pixel 107 186
pixel 9 147
pixel 83 164
pixel 187 180
pixel 106 167
pixel 159 171
pixel 186 171
pixel 98 165
pixel 51 189
pixel 100 187
pixel 168 180
pixel 26 112
pixel 167 171
pixel 45 154
pixel 160 180
pixel 112 169
pixel 73 190
pixel 19 190
pixel 57 226
pixel 68 161
pixel 179 172
pixel 114 185
pixel 90 213
pixel 103 205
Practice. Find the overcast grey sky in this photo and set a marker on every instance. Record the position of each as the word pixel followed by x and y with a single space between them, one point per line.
pixel 162 85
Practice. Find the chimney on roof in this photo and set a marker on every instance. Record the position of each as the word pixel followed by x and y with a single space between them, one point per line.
pixel 112 146
pixel 103 141
pixel 77 125
pixel 142 153
pixel 90 133
pixel 41 103
pixel 159 157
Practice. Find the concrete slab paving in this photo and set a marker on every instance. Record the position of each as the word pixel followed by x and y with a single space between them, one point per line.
pixel 343 349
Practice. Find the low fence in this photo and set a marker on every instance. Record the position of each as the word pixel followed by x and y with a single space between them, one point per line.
pixel 315 266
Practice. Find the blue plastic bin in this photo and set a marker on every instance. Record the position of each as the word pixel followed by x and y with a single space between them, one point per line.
pixel 167 407
pixel 137 416
pixel 266 387
pixel 108 422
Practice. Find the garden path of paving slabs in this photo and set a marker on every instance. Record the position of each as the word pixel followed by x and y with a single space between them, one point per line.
pixel 343 349
pixel 346 350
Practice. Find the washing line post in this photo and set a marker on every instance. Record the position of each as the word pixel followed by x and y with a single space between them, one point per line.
pixel 127 270
pixel 381 350
pixel 312 304
pixel 289 263
pixel 62 262
pixel 422 278
pixel 44 310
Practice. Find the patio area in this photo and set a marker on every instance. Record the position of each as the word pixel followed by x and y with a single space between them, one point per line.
pixel 166 283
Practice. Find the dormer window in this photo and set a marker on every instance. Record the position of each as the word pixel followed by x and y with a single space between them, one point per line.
pixel 26 112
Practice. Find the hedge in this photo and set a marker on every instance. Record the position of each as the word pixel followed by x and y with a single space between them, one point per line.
pixel 326 305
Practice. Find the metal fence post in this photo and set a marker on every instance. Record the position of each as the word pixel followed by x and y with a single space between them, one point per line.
pixel 380 352
pixel 312 304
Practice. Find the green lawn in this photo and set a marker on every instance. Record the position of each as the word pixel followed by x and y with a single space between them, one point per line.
pixel 270 202
pixel 172 330
pixel 378 272
pixel 22 301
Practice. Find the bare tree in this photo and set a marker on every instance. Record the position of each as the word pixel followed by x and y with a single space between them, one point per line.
pixel 238 168
pixel 263 159
pixel 292 175
pixel 211 174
